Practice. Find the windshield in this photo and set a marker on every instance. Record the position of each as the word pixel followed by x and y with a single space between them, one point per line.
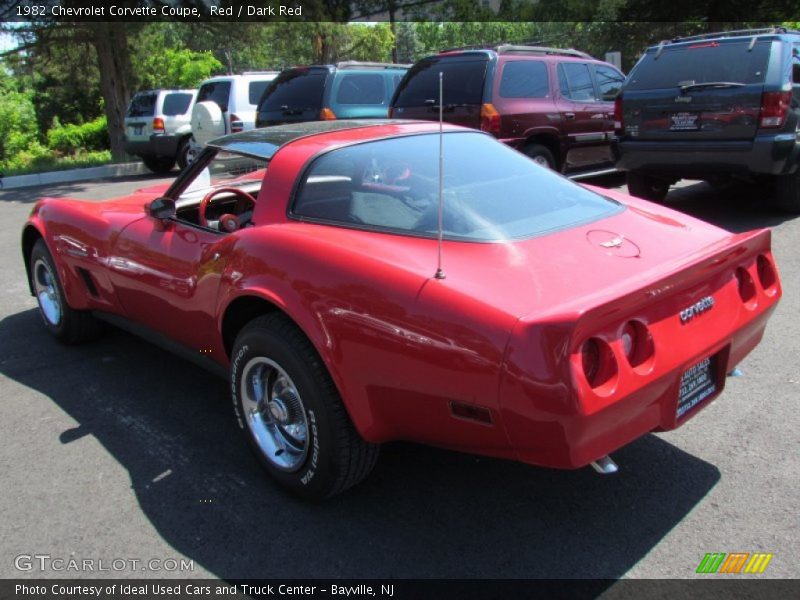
pixel 491 192
pixel 227 169
pixel 703 62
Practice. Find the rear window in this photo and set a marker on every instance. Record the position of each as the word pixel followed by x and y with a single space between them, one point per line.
pixel 524 79
pixel 703 62
pixel 463 82
pixel 142 104
pixel 255 90
pixel 492 193
pixel 215 91
pixel 176 104
pixel 361 88
pixel 295 90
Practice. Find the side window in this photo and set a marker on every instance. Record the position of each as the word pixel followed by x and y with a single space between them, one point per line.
pixel 361 88
pixel 524 79
pixel 217 91
pixel 609 81
pixel 575 82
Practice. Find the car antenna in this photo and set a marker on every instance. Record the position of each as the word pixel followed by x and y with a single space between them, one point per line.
pixel 439 271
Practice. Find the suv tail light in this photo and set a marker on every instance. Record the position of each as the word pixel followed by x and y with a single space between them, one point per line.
pixel 774 108
pixel 490 119
pixel 619 123
pixel 158 125
pixel 326 114
pixel 237 124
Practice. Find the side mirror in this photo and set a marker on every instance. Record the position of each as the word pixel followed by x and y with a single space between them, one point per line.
pixel 161 208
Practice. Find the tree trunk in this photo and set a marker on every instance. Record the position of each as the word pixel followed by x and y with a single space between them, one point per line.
pixel 110 41
pixel 393 27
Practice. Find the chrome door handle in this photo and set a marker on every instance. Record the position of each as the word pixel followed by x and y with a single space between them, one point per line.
pixel 569 115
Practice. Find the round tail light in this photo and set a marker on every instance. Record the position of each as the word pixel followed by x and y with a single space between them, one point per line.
pixel 766 275
pixel 599 365
pixel 747 287
pixel 637 344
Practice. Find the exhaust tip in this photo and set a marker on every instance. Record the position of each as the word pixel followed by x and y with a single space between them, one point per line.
pixel 605 466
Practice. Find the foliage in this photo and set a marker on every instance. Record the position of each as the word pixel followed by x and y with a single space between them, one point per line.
pixel 175 69
pixel 38 159
pixel 18 128
pixel 71 138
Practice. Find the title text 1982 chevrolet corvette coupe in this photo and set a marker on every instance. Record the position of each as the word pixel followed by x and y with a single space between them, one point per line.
pixel 301 261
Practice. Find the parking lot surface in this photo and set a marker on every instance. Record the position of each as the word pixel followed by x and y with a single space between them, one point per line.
pixel 117 450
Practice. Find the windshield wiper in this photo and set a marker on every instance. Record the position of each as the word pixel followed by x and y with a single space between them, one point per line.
pixel 685 87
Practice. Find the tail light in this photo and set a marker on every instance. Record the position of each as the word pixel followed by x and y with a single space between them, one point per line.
pixel 619 123
pixel 637 344
pixel 747 287
pixel 237 124
pixel 599 365
pixel 774 108
pixel 490 119
pixel 326 114
pixel 766 275
pixel 158 125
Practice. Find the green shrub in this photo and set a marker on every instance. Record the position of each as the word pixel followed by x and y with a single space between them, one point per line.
pixel 39 159
pixel 71 138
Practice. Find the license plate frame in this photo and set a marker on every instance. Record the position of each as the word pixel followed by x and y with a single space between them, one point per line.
pixel 138 129
pixel 698 383
pixel 684 121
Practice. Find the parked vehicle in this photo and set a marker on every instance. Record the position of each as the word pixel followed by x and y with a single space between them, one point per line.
pixel 554 105
pixel 719 107
pixel 347 90
pixel 227 104
pixel 301 262
pixel 157 127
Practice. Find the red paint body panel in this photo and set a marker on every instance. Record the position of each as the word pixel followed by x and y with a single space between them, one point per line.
pixel 504 329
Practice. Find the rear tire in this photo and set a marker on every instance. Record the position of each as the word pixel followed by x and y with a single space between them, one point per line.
pixel 647 186
pixel 159 164
pixel 291 412
pixel 65 324
pixel 182 156
pixel 540 155
pixel 787 193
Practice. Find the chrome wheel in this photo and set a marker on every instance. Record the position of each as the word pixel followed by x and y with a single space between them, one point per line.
pixel 44 285
pixel 274 413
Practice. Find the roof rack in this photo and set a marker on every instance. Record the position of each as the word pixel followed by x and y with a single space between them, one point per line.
pixel 356 64
pixel 732 33
pixel 270 72
pixel 509 48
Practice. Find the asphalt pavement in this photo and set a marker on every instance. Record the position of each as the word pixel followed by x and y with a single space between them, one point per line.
pixel 119 451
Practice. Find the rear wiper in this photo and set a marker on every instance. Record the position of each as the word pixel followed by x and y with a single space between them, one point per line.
pixel 691 85
pixel 451 106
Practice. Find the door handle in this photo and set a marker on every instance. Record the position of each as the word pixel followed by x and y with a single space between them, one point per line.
pixel 569 115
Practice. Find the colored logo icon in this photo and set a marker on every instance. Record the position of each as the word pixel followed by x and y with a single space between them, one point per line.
pixel 736 562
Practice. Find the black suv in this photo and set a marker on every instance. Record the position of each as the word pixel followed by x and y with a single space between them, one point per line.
pixel 715 107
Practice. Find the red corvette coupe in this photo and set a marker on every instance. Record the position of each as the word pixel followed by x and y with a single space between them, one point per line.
pixel 552 323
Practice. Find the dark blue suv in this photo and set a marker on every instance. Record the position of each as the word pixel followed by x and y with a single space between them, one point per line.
pixel 718 107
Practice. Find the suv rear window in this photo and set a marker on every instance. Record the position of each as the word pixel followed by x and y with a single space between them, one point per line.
pixel 702 62
pixel 524 79
pixel 255 90
pixel 215 91
pixel 142 105
pixel 176 104
pixel 295 89
pixel 361 88
pixel 463 81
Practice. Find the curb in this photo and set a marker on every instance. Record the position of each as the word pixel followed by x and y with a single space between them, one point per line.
pixel 34 179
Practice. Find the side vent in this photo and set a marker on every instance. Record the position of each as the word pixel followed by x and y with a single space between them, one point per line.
pixel 88 281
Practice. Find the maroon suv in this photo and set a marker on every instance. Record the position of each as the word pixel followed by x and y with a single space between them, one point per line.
pixel 556 106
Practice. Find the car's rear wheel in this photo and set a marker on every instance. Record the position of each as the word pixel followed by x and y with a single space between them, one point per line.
pixel 183 151
pixel 67 325
pixel 647 186
pixel 787 193
pixel 540 155
pixel 159 164
pixel 292 414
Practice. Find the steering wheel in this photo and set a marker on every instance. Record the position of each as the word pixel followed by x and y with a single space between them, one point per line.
pixel 201 211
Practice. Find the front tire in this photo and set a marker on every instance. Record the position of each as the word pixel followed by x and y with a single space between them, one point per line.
pixel 65 324
pixel 540 155
pixel 292 414
pixel 647 186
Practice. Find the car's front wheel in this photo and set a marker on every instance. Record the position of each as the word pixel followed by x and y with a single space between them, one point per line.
pixel 647 186
pixel 291 412
pixel 540 155
pixel 66 324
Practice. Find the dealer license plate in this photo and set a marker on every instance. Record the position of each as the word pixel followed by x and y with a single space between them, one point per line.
pixel 697 384
pixel 684 121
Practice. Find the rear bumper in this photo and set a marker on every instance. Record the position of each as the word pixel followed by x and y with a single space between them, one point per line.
pixel 157 145
pixel 767 154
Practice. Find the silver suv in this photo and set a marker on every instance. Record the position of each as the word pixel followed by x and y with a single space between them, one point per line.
pixel 158 128
pixel 227 104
